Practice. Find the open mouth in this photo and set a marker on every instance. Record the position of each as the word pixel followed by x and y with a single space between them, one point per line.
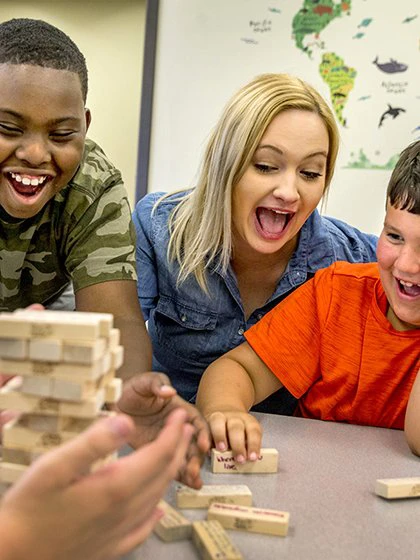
pixel 272 222
pixel 27 185
pixel 408 288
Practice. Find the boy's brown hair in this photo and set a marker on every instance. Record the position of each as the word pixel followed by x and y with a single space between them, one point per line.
pixel 403 190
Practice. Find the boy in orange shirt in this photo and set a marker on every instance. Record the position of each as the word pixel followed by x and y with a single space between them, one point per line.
pixel 346 343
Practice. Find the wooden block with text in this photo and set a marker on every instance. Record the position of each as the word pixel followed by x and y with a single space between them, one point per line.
pixel 224 462
pixel 213 543
pixel 223 493
pixel 394 488
pixel 252 519
pixel 173 526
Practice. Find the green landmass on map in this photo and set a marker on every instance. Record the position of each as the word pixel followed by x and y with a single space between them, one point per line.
pixel 314 16
pixel 363 162
pixel 340 80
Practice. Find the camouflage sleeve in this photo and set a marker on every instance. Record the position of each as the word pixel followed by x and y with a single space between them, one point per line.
pixel 100 245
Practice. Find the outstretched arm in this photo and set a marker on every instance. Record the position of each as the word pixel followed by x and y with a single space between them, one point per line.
pixel 99 516
pixel 120 299
pixel 412 418
pixel 229 387
pixel 149 399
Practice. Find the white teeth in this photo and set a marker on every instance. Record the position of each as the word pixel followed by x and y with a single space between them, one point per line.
pixel 279 212
pixel 33 181
pixel 408 284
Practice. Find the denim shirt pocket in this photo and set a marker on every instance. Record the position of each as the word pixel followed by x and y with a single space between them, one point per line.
pixel 183 330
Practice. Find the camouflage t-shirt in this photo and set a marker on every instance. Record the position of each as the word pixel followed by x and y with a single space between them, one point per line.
pixel 83 235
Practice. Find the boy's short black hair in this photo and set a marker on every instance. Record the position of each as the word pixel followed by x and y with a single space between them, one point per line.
pixel 404 186
pixel 36 42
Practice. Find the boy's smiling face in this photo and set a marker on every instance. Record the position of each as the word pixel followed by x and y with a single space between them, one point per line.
pixel 43 126
pixel 399 266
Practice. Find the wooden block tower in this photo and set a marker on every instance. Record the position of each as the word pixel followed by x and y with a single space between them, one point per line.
pixel 65 364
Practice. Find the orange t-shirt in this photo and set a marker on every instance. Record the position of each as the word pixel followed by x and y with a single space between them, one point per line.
pixel 331 345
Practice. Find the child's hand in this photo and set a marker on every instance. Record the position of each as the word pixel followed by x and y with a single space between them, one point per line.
pixel 100 515
pixel 238 431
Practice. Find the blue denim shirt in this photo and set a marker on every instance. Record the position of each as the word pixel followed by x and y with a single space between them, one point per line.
pixel 189 329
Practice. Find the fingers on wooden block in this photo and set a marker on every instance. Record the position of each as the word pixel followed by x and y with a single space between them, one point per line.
pixel 212 541
pixel 254 520
pixel 394 488
pixel 223 493
pixel 224 462
pixel 173 526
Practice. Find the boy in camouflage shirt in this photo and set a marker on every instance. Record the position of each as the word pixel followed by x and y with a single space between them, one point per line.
pixel 64 213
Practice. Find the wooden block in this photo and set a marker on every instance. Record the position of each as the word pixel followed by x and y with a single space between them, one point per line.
pixel 18 456
pixel 84 351
pixel 213 543
pixel 48 324
pixel 59 370
pixel 40 386
pixel 15 400
pixel 223 493
pixel 173 526
pixel 16 436
pixel 13 348
pixel 117 357
pixel 114 338
pixel 86 409
pixel 392 488
pixel 254 520
pixel 45 350
pixel 113 390
pixel 41 423
pixel 10 472
pixel 72 391
pixel 104 321
pixel 106 379
pixel 267 462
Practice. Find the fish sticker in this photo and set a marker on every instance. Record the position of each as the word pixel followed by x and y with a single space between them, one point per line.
pixel 391 67
pixel 390 112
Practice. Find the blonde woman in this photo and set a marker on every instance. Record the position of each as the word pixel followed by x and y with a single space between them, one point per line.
pixel 213 260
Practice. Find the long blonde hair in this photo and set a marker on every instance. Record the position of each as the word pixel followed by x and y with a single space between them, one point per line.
pixel 201 224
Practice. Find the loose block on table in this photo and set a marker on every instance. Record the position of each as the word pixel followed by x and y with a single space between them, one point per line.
pixel 223 493
pixel 213 543
pixel 224 462
pixel 173 526
pixel 252 519
pixel 392 488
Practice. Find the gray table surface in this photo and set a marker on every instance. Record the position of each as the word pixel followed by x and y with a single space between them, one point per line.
pixel 327 472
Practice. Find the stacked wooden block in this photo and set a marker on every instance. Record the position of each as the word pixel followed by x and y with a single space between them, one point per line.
pixel 229 506
pixel 64 365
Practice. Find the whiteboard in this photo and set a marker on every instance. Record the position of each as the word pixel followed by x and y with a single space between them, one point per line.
pixel 206 50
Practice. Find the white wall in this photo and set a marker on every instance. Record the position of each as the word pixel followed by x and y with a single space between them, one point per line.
pixel 110 34
pixel 207 50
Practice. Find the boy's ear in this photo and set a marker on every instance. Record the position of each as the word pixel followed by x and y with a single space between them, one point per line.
pixel 88 118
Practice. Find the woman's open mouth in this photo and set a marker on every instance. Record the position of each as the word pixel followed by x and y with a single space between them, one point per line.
pixel 272 222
